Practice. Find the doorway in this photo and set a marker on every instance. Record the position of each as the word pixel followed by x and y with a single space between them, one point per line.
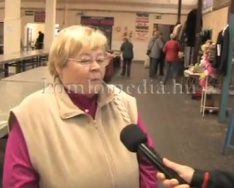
pixel 165 29
pixel 103 24
pixel 31 34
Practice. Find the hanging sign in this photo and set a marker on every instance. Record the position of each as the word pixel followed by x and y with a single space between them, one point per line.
pixel 158 16
pixel 97 21
pixel 142 26
pixel 28 13
pixel 39 16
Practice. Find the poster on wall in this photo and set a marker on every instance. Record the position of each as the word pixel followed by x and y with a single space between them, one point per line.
pixel 39 16
pixel 207 6
pixel 142 26
pixel 97 21
pixel 104 24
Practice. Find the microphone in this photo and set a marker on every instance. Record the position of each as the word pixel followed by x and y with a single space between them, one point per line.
pixel 135 140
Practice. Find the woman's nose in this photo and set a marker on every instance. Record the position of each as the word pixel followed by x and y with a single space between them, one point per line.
pixel 95 65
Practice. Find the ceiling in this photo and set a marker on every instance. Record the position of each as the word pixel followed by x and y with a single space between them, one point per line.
pixel 166 2
pixel 138 5
pixel 184 2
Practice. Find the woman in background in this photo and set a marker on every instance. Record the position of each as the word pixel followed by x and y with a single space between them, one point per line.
pixel 172 49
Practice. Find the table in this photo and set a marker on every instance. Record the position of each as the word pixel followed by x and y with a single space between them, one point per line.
pixel 37 75
pixel 21 55
pixel 188 73
pixel 190 78
pixel 12 93
pixel 21 59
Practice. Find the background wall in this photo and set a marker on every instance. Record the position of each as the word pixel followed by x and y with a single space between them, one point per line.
pixel 121 20
pixel 127 20
pixel 70 14
pixel 216 21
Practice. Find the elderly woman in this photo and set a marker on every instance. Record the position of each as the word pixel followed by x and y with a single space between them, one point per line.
pixel 68 135
pixel 171 50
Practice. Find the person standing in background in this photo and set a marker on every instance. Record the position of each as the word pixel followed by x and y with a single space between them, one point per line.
pixel 153 51
pixel 127 52
pixel 172 49
pixel 161 57
pixel 40 41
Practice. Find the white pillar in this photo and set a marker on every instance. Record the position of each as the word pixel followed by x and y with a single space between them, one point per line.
pixel 12 26
pixel 50 22
pixel 65 16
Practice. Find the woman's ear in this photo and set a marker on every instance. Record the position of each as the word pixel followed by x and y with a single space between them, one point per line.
pixel 58 69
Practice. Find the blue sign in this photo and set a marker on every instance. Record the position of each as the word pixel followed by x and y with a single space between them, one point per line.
pixel 229 140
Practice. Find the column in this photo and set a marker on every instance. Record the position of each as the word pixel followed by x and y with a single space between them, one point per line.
pixel 179 11
pixel 12 26
pixel 50 22
pixel 228 77
pixel 66 15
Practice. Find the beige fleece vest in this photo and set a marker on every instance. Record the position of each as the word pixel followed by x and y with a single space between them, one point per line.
pixel 71 150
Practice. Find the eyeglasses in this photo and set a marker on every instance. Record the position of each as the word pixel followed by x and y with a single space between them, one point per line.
pixel 86 60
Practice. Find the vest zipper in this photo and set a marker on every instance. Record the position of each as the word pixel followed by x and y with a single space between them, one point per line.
pixel 106 151
pixel 111 162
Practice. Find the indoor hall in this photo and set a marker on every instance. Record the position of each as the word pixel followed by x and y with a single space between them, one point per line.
pixel 187 119
pixel 173 119
pixel 175 123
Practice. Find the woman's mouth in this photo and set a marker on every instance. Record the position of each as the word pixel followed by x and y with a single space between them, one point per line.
pixel 95 79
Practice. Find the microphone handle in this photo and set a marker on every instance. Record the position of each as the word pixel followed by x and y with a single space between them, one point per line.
pixel 157 161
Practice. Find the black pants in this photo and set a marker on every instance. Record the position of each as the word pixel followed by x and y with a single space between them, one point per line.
pixel 172 70
pixel 161 67
pixel 153 68
pixel 126 65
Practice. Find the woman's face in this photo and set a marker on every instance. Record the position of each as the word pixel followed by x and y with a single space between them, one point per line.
pixel 85 72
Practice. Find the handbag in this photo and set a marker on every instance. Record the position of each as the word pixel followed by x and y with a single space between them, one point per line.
pixel 149 50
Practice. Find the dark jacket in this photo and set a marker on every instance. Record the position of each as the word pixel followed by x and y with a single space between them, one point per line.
pixel 221 62
pixel 190 27
pixel 127 50
pixel 215 179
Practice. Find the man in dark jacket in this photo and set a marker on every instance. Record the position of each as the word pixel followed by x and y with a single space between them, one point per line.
pixel 127 52
pixel 197 178
pixel 40 41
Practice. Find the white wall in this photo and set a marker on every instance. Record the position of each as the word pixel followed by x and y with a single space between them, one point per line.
pixel 210 21
pixel 70 15
pixel 122 20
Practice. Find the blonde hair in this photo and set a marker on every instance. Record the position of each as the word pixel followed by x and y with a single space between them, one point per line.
pixel 72 41
pixel 172 36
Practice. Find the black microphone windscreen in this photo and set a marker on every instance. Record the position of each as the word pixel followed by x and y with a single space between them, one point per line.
pixel 132 136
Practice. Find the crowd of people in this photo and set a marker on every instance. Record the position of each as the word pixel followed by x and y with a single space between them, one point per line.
pixel 164 53
pixel 163 57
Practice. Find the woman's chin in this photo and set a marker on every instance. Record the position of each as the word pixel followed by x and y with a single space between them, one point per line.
pixel 95 88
